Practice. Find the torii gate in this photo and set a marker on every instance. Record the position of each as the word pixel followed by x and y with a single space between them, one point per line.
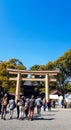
pixel 46 79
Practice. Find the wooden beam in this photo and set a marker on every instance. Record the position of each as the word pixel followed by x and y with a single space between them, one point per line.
pixel 52 80
pixel 13 79
pixel 31 72
pixel 32 79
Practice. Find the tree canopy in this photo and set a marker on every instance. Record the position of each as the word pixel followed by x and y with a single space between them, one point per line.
pixel 4 75
pixel 63 64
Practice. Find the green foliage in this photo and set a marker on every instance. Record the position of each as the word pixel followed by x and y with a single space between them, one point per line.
pixel 68 87
pixel 42 90
pixel 49 66
pixel 42 67
pixel 63 64
pixel 4 75
pixel 35 67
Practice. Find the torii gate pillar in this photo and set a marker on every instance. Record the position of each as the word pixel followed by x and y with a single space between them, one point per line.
pixel 47 87
pixel 17 96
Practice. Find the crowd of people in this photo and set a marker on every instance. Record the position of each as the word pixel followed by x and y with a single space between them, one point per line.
pixel 24 106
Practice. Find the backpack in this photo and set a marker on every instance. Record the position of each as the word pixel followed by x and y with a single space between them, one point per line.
pixel 38 102
pixel 4 102
pixel 26 104
pixel 22 102
pixel 11 104
pixel 32 103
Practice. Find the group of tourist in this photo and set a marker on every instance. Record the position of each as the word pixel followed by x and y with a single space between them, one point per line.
pixel 24 106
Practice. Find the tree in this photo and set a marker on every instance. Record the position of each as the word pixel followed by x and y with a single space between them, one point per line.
pixel 67 63
pixel 4 75
pixel 63 64
pixel 49 66
pixel 35 67
pixel 41 85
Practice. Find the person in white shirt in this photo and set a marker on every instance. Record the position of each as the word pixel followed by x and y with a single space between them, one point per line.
pixel 11 107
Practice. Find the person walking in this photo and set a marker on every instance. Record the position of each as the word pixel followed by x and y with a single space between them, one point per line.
pixel 11 107
pixel 31 108
pixel 21 107
pixel 44 103
pixel 26 107
pixel 4 103
pixel 49 105
pixel 38 102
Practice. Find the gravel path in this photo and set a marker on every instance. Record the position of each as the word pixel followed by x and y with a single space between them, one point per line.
pixel 57 119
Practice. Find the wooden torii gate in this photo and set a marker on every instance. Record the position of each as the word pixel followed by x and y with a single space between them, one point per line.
pixel 32 74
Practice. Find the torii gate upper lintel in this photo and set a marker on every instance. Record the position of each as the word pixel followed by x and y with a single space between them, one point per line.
pixel 47 78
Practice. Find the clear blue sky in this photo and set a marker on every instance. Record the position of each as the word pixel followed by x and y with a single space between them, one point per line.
pixel 34 31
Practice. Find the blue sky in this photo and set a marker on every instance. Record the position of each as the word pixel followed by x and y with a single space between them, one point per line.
pixel 34 31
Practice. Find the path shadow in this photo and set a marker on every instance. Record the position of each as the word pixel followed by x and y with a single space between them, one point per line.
pixel 45 115
pixel 42 118
pixel 49 114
